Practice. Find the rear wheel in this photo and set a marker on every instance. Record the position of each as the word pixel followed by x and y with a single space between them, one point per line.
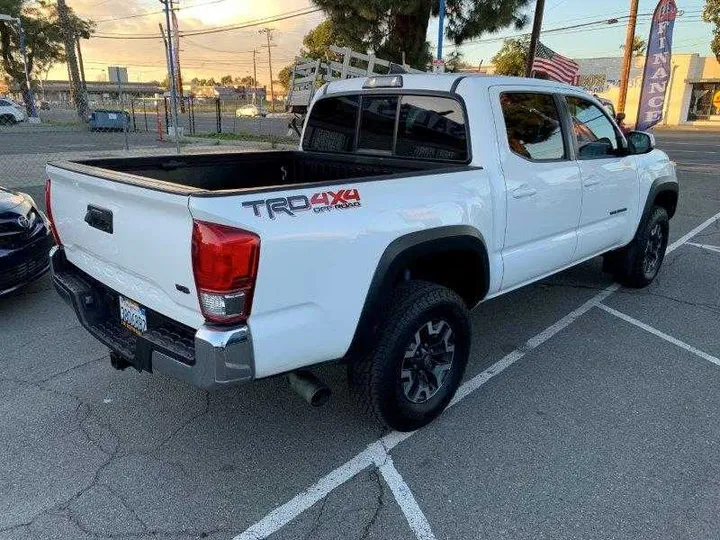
pixel 415 368
pixel 637 264
pixel 7 120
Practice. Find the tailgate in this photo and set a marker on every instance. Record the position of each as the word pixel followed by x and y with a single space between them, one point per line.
pixel 145 257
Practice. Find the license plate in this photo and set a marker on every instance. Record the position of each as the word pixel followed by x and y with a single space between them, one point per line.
pixel 132 316
pixel 112 116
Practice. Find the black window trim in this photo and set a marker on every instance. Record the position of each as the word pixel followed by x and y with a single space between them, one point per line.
pixel 621 151
pixel 399 93
pixel 568 150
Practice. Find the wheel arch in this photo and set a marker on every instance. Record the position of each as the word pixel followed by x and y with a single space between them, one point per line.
pixel 465 269
pixel 663 192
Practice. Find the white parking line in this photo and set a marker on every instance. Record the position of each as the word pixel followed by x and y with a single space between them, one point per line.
pixel 716 249
pixel 660 334
pixel 377 451
pixel 405 499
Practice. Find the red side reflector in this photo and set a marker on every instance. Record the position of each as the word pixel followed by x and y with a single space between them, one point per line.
pixel 48 212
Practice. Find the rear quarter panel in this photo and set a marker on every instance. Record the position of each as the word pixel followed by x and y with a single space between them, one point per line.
pixel 315 267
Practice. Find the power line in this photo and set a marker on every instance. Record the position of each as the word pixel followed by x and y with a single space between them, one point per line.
pixel 228 28
pixel 156 12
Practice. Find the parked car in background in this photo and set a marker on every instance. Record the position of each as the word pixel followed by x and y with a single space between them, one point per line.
pixel 25 241
pixel 10 112
pixel 250 111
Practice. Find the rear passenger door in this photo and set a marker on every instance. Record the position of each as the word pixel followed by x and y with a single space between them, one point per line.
pixel 542 182
pixel 610 179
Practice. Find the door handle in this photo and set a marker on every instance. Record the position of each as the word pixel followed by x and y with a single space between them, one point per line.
pixel 524 191
pixel 592 181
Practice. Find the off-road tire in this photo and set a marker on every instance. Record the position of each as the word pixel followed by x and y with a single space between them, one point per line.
pixel 629 265
pixel 376 378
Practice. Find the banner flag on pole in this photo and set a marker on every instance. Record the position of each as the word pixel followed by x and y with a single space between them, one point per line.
pixel 657 66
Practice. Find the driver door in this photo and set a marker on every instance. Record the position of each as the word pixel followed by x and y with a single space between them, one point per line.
pixel 609 180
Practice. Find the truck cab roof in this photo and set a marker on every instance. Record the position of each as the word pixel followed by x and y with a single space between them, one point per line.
pixel 445 82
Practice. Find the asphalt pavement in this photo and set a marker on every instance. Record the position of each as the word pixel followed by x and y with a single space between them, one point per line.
pixel 587 411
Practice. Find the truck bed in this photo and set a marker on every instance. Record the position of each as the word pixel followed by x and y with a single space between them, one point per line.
pixel 249 170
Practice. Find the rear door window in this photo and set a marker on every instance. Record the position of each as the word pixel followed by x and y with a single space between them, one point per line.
pixel 331 126
pixel 431 127
pixel 377 123
pixel 533 126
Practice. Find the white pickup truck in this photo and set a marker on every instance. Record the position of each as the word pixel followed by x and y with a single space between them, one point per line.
pixel 411 200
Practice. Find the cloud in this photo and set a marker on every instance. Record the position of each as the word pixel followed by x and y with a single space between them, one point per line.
pixel 211 55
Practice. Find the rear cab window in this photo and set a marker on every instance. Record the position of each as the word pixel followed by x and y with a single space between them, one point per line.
pixel 425 127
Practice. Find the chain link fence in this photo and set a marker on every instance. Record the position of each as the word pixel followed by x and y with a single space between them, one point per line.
pixel 128 126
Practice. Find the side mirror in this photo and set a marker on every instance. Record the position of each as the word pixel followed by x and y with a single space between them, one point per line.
pixel 640 142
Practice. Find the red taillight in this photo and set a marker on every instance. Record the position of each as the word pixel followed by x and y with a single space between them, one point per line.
pixel 48 213
pixel 225 262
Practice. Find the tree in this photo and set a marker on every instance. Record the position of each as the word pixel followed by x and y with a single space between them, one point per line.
pixel 246 81
pixel 639 46
pixel 284 77
pixel 316 43
pixel 44 39
pixel 454 62
pixel 512 57
pixel 390 28
pixel 711 14
pixel 226 80
pixel 210 82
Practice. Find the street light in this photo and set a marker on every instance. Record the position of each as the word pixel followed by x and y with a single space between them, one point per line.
pixel 16 23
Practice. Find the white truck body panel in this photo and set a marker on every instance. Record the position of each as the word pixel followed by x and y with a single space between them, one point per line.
pixel 149 250
pixel 315 270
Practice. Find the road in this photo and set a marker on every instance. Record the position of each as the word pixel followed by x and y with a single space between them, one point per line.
pixel 587 412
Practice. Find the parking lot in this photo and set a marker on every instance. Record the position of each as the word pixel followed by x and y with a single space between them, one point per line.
pixel 588 411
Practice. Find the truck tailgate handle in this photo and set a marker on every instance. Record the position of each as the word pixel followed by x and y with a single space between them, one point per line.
pixel 99 218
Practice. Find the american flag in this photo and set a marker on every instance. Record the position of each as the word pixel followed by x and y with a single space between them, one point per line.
pixel 555 66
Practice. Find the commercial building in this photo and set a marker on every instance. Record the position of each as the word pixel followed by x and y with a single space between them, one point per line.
pixel 692 93
pixel 58 92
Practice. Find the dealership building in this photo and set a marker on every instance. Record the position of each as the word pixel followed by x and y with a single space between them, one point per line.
pixel 692 96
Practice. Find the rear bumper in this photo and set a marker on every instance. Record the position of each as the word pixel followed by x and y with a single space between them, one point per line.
pixel 211 357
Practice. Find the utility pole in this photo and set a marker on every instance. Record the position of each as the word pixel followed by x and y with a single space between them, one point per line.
pixel 255 76
pixel 268 32
pixel 441 30
pixel 171 73
pixel 82 65
pixel 68 35
pixel 627 58
pixel 535 37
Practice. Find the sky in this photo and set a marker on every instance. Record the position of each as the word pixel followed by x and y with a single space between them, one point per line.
pixel 217 54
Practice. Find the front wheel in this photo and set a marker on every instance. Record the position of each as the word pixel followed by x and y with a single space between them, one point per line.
pixel 417 365
pixel 637 264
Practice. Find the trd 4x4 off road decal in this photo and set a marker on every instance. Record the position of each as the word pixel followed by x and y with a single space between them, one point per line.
pixel 325 201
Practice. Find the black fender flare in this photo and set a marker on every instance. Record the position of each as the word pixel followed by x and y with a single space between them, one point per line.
pixel 394 261
pixel 660 185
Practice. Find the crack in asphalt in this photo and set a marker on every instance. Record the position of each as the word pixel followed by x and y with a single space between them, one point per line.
pixel 82 414
pixel 205 409
pixel 316 522
pixel 379 502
